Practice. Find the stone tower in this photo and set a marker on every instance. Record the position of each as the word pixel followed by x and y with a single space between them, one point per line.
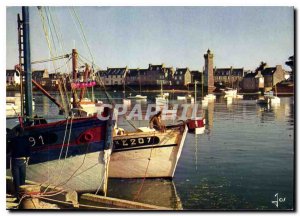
pixel 209 86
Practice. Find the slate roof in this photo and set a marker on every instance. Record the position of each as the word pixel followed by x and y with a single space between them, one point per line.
pixel 116 71
pixel 237 71
pixel 156 67
pixel 268 71
pixel 102 73
pixel 10 72
pixel 132 72
pixel 229 71
pixel 195 72
pixel 222 71
pixel 179 70
pixel 250 75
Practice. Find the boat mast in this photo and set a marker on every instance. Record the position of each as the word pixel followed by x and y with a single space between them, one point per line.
pixel 202 85
pixel 140 82
pixel 27 63
pixel 74 74
pixel 124 94
pixel 195 100
pixel 21 56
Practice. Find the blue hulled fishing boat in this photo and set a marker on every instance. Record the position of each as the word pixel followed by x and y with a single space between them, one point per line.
pixel 72 153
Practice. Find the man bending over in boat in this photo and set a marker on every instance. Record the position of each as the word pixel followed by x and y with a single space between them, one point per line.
pixel 156 122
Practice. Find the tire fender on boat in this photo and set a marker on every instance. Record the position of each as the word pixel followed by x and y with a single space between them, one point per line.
pixel 88 136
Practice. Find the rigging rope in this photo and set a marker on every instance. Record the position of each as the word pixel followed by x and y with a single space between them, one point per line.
pixel 46 33
pixel 82 31
pixel 52 59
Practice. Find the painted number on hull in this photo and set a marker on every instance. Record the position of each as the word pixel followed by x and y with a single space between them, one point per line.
pixel 133 142
pixel 42 139
pixel 39 140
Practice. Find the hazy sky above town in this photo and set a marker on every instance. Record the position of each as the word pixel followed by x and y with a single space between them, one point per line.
pixel 175 36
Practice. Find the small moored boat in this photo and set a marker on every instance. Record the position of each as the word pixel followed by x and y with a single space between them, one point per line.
pixel 147 153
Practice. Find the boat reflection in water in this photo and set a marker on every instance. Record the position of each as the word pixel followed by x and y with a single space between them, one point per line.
pixel 161 192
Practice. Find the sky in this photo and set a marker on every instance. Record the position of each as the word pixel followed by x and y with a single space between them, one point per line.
pixel 176 36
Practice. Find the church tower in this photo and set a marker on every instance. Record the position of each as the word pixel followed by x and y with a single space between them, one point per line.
pixel 209 86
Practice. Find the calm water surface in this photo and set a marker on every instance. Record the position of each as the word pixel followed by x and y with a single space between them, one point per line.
pixel 244 158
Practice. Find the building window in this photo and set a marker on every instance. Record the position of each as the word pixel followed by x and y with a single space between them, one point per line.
pixel 180 78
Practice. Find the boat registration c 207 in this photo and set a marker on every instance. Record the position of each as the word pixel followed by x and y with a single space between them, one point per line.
pixel 135 142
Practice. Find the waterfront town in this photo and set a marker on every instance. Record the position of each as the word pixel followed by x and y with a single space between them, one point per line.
pixel 261 79
pixel 213 132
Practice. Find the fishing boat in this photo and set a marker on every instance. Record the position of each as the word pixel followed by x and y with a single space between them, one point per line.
pixel 269 93
pixel 13 106
pixel 196 124
pixel 162 104
pixel 187 98
pixel 263 101
pixel 72 153
pixel 162 98
pixel 274 99
pixel 138 96
pixel 147 153
pixel 11 109
pixel 126 102
pixel 231 92
pixel 210 97
pixel 269 98
pixel 181 98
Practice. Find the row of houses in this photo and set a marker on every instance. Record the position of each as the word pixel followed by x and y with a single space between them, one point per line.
pixel 264 79
pixel 43 77
pixel 155 75
pixel 226 77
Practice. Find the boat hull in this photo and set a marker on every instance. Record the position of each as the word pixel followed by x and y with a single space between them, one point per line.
pixel 195 123
pixel 65 149
pixel 231 92
pixel 147 160
pixel 83 173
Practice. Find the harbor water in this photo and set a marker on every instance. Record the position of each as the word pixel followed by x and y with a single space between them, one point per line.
pixel 243 161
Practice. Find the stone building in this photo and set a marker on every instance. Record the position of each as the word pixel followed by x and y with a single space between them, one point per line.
pixel 153 76
pixel 182 76
pixel 41 77
pixel 250 83
pixel 133 77
pixel 229 77
pixel 209 72
pixel 272 76
pixel 12 77
pixel 196 76
pixel 113 76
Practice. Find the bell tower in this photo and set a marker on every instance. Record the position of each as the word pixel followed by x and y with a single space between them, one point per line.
pixel 209 72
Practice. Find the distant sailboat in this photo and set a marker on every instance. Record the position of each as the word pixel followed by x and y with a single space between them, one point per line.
pixel 139 96
pixel 162 103
pixel 196 124
pixel 161 99
pixel 275 99
pixel 126 102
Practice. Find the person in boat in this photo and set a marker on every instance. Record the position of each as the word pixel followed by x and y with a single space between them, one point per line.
pixel 156 122
pixel 20 153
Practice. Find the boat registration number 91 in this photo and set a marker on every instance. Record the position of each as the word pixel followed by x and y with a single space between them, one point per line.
pixel 132 142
